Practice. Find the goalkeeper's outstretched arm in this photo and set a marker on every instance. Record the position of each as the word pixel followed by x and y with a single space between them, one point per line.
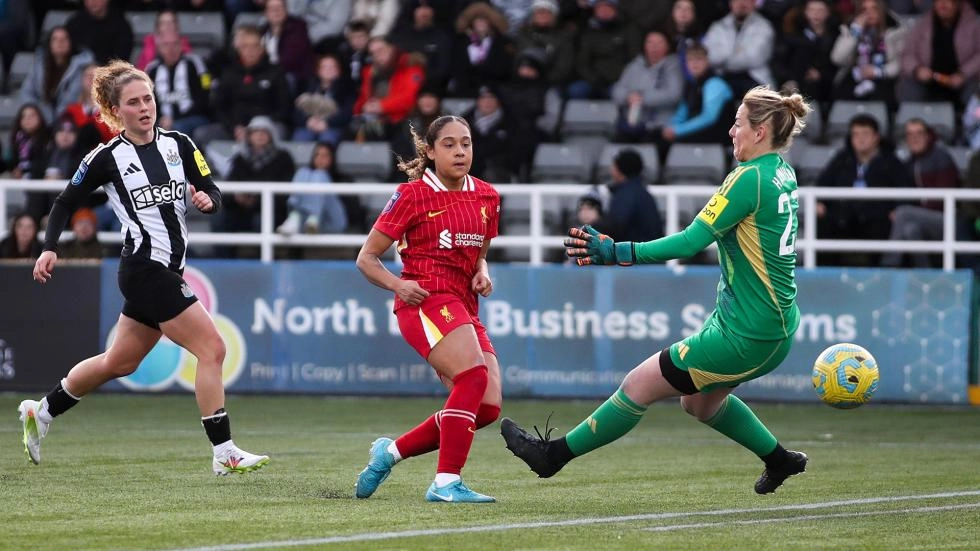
pixel 683 244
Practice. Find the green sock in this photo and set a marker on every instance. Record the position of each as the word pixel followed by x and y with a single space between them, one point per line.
pixel 614 418
pixel 736 421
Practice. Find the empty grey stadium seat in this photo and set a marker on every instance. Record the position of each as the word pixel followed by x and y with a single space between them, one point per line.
pixel 813 131
pixel 457 106
pixel 696 164
pixel 219 153
pixel 651 160
pixel 548 122
pixel 961 155
pixel 365 162
pixel 301 152
pixel 809 160
pixel 939 115
pixel 142 22
pixel 54 18
pixel 589 117
pixel 19 70
pixel 248 18
pixel 560 163
pixel 8 112
pixel 206 28
pixel 843 111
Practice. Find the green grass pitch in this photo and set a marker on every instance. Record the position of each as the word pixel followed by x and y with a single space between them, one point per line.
pixel 133 472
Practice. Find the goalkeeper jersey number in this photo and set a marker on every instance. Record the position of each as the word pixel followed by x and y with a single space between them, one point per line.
pixel 753 219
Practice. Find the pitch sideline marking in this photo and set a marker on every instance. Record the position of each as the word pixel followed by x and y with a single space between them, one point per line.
pixel 375 536
pixel 770 520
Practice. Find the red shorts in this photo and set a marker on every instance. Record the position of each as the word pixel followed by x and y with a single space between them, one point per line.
pixel 423 326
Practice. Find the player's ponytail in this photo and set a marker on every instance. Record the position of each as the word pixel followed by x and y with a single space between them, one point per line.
pixel 107 85
pixel 786 114
pixel 415 168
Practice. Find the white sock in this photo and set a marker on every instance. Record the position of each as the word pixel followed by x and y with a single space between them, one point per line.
pixel 42 412
pixel 223 448
pixel 393 450
pixel 444 479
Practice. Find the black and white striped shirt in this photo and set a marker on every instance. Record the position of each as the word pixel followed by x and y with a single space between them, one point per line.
pixel 146 185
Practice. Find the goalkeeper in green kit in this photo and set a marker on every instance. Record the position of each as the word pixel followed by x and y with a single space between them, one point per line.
pixel 752 217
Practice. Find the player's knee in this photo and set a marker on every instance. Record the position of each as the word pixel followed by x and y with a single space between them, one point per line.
pixel 477 377
pixel 698 408
pixel 688 405
pixel 120 369
pixel 213 352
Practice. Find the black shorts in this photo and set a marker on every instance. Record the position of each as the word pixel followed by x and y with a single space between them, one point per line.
pixel 154 294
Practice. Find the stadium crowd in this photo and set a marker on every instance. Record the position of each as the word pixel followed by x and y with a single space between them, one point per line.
pixel 270 74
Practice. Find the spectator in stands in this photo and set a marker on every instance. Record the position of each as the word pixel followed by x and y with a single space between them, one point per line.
pixel 541 32
pixel 868 52
pixel 632 214
pixel 931 166
pixel 287 44
pixel 706 108
pixel 802 59
pixel 423 37
pixel 515 11
pixel 523 97
pixel 21 241
pixel 645 16
pixel 16 33
pixel 389 86
pixel 86 243
pixel 428 107
pixel 28 140
pixel 353 52
pixel 57 161
pixel 866 161
pixel 325 19
pixel 380 15
pixel 492 137
pixel 606 45
pixel 181 84
pixel 323 113
pixel 589 212
pixel 485 53
pixel 941 59
pixel 740 47
pixel 316 212
pixel 259 159
pixel 101 29
pixel 971 121
pixel 91 130
pixel 166 24
pixel 648 91
pixel 683 29
pixel 55 79
pixel 775 10
pixel 250 87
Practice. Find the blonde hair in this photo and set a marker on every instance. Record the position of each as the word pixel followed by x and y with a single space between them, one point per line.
pixel 786 114
pixel 107 85
pixel 415 168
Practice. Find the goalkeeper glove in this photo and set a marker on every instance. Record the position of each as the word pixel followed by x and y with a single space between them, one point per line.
pixel 587 246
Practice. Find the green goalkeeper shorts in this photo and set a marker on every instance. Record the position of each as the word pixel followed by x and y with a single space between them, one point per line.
pixel 715 357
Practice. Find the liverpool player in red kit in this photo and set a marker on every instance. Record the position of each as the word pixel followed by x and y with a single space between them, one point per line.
pixel 443 221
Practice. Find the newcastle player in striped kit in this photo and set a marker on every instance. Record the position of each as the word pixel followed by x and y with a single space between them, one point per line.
pixel 146 172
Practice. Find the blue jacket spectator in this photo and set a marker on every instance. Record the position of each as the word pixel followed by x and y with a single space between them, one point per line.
pixel 632 214
pixel 316 212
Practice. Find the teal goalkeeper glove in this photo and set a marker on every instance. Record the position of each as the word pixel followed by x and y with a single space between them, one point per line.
pixel 587 246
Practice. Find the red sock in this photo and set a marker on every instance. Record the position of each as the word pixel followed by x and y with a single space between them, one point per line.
pixel 425 437
pixel 458 423
pixel 422 439
pixel 487 414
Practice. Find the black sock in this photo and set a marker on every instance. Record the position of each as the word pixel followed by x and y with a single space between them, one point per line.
pixel 218 427
pixel 559 453
pixel 59 401
pixel 776 457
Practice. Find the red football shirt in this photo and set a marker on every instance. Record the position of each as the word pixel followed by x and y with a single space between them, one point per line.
pixel 440 232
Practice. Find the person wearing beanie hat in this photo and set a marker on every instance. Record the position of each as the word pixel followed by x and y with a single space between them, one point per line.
pixel 553 46
pixel 86 241
pixel 632 214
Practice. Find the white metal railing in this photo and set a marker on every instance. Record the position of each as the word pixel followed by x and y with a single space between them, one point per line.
pixel 537 241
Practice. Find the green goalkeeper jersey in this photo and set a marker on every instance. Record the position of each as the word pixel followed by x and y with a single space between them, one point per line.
pixel 752 217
